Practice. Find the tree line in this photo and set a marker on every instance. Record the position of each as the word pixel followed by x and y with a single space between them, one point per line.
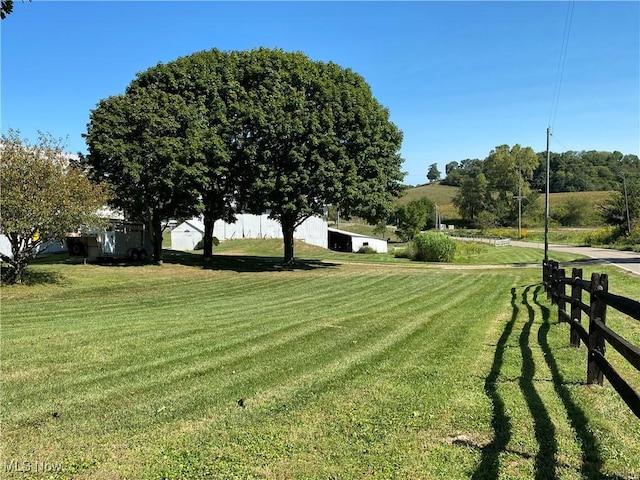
pixel 505 186
pixel 570 171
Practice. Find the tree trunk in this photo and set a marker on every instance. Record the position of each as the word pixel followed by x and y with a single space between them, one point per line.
pixel 288 226
pixel 156 238
pixel 207 241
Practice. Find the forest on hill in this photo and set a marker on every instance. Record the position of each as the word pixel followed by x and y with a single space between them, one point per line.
pixel 505 189
pixel 569 171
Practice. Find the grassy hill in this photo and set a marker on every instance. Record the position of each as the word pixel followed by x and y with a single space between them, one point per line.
pixel 442 195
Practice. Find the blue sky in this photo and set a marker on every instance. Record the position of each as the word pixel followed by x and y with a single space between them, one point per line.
pixel 459 78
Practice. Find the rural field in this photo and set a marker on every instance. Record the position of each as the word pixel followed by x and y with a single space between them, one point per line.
pixel 344 367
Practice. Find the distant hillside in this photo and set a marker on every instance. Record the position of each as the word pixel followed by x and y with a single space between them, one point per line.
pixel 441 195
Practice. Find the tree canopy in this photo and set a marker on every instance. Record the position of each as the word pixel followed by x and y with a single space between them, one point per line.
pixel 260 130
pixel 494 187
pixel 43 198
pixel 433 174
pixel 144 144
pixel 415 216
pixel 314 135
pixel 208 81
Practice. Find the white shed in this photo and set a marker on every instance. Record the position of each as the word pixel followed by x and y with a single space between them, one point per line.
pixel 343 241
pixel 187 235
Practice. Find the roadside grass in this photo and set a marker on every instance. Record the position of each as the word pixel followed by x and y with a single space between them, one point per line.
pixel 344 371
pixel 475 253
pixel 562 236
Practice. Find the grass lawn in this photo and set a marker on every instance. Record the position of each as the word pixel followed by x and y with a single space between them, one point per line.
pixel 333 369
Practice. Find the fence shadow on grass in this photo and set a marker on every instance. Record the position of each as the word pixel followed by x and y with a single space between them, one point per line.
pixel 589 445
pixel 544 430
pixel 489 466
pixel 545 462
pixel 242 263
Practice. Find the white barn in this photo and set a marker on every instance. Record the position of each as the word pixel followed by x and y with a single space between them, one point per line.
pixel 342 241
pixel 187 235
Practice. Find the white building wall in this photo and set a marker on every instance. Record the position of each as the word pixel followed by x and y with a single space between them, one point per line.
pixel 377 244
pixel 186 235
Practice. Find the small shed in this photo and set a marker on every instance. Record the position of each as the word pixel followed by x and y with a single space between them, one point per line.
pixel 187 235
pixel 342 241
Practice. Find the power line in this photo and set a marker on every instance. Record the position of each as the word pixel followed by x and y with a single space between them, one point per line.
pixel 559 142
pixel 561 64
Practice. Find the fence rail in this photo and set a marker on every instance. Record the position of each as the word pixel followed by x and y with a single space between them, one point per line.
pixel 597 334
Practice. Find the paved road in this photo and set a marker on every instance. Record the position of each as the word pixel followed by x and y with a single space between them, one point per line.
pixel 629 261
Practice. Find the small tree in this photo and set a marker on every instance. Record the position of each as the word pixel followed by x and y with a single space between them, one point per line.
pixel 43 198
pixel 433 175
pixel 413 217
pixel 471 198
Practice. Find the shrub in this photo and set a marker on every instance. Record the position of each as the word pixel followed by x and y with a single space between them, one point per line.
pixel 366 249
pixel 603 236
pixel 406 252
pixel 434 247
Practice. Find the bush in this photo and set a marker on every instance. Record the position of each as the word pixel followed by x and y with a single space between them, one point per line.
pixel 406 252
pixel 434 247
pixel 366 249
pixel 603 236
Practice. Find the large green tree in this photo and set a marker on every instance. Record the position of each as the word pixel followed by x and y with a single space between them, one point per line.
pixel 472 197
pixel 208 82
pixel 43 198
pixel 145 144
pixel 433 174
pixel 508 170
pixel 313 135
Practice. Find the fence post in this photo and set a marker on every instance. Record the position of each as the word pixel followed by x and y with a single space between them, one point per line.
pixel 599 282
pixel 576 311
pixel 554 282
pixel 549 279
pixel 561 290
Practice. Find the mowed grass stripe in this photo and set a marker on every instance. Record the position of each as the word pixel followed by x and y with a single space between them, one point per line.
pixel 366 384
pixel 375 337
pixel 212 357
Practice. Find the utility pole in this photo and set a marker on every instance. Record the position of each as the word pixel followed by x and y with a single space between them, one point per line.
pixel 546 202
pixel 626 203
pixel 519 199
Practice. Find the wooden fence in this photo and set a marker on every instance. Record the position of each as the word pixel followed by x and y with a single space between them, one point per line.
pixel 598 334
